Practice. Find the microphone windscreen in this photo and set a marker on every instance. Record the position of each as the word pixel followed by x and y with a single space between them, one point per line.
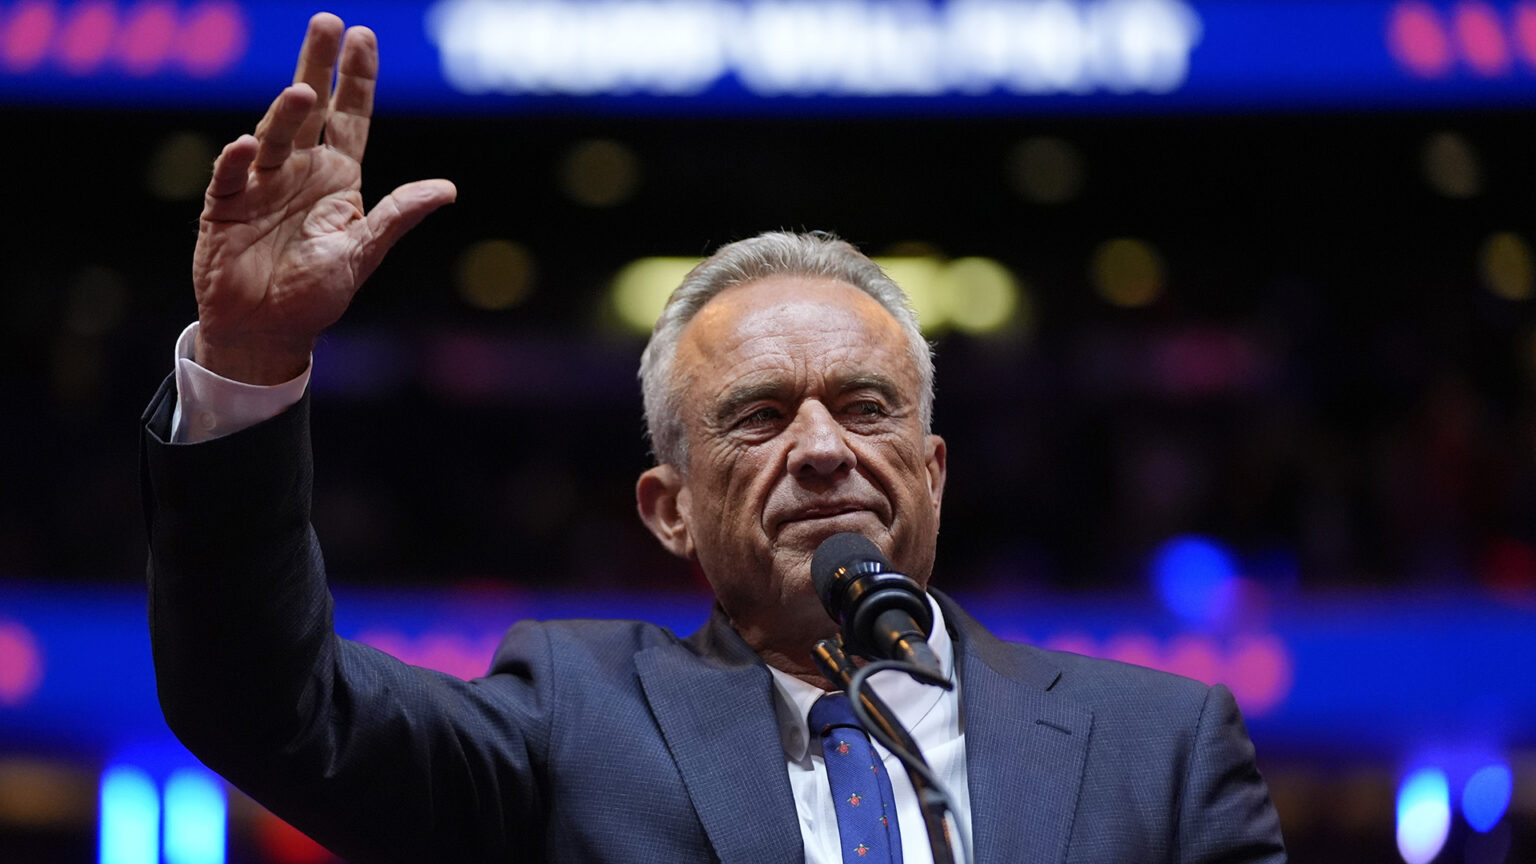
pixel 837 552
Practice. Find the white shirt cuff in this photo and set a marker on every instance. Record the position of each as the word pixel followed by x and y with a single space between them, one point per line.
pixel 208 405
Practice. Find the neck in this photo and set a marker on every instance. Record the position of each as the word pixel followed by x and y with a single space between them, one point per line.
pixel 790 655
pixel 806 671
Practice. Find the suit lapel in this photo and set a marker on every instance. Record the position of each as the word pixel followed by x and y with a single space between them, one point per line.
pixel 714 703
pixel 1025 749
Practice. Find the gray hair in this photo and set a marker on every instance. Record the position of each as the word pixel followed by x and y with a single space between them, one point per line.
pixel 775 253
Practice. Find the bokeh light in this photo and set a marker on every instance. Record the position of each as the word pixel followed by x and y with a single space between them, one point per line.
pixel 1506 265
pixel 1485 798
pixel 1047 170
pixel 1196 578
pixel 1480 35
pixel 918 275
pixel 21 663
pixel 1127 272
pixel 195 817
pixel 130 817
pixel 983 295
pixel 87 36
pixel 600 173
pixel 640 290
pixel 495 274
pixel 38 792
pixel 28 36
pixel 1451 166
pixel 972 294
pixel 1417 39
pixel 180 166
pixel 285 844
pixel 1423 815
pixel 147 36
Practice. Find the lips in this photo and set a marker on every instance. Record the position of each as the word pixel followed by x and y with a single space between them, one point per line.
pixel 824 511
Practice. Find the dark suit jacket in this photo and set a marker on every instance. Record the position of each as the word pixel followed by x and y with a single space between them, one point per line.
pixel 617 741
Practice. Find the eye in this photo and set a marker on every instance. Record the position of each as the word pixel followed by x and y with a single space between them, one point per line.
pixel 764 414
pixel 867 407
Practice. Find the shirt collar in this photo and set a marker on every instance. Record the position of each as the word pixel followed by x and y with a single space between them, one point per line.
pixel 910 699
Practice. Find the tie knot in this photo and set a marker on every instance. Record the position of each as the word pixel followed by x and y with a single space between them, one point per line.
pixel 831 711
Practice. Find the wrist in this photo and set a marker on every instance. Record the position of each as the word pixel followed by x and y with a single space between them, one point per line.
pixel 263 364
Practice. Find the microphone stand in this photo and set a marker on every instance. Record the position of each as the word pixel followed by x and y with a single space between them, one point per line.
pixel 881 722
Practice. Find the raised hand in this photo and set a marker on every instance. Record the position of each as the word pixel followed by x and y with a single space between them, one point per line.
pixel 284 242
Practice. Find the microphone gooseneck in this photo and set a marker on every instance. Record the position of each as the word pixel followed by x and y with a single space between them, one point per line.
pixel 884 614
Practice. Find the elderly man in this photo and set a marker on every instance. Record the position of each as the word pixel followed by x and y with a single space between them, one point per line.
pixel 788 393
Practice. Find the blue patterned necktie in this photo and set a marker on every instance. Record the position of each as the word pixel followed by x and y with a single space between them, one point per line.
pixel 861 793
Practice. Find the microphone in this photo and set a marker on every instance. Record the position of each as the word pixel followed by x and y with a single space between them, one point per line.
pixel 884 614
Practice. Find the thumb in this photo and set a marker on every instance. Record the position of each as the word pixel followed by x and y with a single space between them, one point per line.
pixel 399 212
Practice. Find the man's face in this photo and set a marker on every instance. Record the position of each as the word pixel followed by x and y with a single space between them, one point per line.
pixel 801 406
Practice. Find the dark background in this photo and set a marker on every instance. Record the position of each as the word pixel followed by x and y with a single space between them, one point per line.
pixel 1325 381
pixel 1346 399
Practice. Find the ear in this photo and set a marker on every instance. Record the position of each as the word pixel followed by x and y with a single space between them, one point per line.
pixel 662 498
pixel 936 460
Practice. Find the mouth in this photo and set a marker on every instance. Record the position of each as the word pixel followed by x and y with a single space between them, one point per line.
pixel 825 512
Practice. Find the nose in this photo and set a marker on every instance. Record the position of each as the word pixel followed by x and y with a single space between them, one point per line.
pixel 818 446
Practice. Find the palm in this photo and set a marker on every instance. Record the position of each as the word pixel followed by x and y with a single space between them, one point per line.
pixel 284 242
pixel 277 257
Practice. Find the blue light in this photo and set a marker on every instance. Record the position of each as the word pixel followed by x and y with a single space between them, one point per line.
pixel 1485 798
pixel 194 818
pixel 1423 815
pixel 130 817
pixel 1196 578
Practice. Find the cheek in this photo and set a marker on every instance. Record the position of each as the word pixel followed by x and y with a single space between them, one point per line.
pixel 736 479
pixel 897 466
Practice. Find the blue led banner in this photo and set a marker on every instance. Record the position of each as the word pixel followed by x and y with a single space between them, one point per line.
pixel 727 57
pixel 1386 676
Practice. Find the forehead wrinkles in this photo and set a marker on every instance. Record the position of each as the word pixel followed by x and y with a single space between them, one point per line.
pixel 799 347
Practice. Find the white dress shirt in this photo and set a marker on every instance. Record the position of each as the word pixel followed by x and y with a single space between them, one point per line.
pixel 930 714
pixel 210 406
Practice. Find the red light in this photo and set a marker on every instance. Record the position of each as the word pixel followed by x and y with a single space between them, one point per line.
pixel 1480 34
pixel 213 38
pixel 25 41
pixel 1525 32
pixel 448 652
pixel 1194 657
pixel 141 39
pixel 147 37
pixel 1256 667
pixel 86 37
pixel 1417 40
pixel 21 663
pixel 1259 672
pixel 286 844
pixel 1474 33
pixel 1509 571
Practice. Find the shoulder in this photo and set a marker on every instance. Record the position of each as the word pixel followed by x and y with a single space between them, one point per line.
pixel 1124 685
pixel 585 644
pixel 1108 688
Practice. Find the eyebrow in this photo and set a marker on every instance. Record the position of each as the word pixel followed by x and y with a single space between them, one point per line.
pixel 738 399
pixel 879 383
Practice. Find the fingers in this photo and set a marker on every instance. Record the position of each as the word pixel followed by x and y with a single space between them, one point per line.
pixel 278 130
pixel 399 212
pixel 316 66
pixel 229 170
pixel 352 103
pixel 299 115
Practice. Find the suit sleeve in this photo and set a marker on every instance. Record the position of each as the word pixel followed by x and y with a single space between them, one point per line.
pixel 1225 813
pixel 377 760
